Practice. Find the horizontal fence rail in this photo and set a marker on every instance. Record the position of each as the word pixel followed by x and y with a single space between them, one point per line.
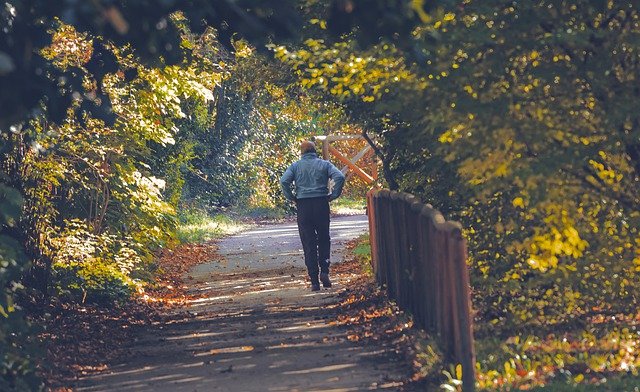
pixel 421 258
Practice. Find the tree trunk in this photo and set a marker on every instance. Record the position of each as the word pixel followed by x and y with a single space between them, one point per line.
pixel 386 163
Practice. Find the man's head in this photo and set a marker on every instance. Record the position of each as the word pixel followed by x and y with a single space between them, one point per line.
pixel 307 146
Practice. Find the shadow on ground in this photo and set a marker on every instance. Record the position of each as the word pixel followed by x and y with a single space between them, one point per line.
pixel 255 329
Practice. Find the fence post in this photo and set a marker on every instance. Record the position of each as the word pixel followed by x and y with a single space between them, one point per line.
pixel 396 227
pixel 373 243
pixel 453 283
pixel 463 308
pixel 430 279
pixel 383 236
pixel 445 327
pixel 438 286
pixel 404 266
pixel 419 293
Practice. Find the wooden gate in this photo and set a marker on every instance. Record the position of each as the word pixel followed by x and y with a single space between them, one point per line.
pixel 350 164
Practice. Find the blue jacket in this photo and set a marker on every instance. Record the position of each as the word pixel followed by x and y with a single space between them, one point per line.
pixel 311 175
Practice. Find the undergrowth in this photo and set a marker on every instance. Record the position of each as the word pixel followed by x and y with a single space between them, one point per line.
pixel 346 205
pixel 198 226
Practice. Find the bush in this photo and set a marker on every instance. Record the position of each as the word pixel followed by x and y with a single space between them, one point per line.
pixel 17 371
pixel 94 268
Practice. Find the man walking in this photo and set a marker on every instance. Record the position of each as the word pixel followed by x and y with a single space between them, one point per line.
pixel 310 177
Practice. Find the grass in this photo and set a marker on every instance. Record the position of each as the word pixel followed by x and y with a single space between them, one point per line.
pixel 626 383
pixel 362 252
pixel 348 205
pixel 198 226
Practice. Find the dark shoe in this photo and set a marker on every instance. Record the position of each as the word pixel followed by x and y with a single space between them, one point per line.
pixel 324 278
pixel 315 286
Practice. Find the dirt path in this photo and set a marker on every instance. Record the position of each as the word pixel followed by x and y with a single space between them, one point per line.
pixel 256 327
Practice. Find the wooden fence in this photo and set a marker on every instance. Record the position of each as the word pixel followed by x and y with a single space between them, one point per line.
pixel 421 258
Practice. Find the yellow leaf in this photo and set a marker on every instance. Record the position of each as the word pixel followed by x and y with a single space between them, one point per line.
pixel 518 202
pixel 501 170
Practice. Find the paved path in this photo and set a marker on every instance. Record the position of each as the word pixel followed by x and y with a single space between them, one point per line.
pixel 256 327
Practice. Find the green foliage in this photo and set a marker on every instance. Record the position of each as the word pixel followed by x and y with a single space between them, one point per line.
pixel 97 208
pixel 197 226
pixel 600 355
pixel 563 233
pixel 627 383
pixel 348 205
pixel 91 188
pixel 213 177
pixel 517 119
pixel 17 370
pixel 522 133
pixel 346 74
pixel 99 148
pixel 217 129
pixel 240 147
pixel 95 267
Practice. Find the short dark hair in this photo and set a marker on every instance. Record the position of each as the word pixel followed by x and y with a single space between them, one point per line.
pixel 307 146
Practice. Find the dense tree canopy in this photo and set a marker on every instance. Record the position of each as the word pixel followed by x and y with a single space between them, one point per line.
pixel 531 108
pixel 518 118
pixel 108 126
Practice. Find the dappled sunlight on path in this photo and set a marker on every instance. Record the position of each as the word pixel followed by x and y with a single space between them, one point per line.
pixel 253 325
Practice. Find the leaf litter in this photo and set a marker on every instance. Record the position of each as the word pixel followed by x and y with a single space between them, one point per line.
pixel 81 339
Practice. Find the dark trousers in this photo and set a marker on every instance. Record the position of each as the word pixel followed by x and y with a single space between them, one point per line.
pixel 313 226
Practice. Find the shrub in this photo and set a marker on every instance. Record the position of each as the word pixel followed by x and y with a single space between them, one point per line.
pixel 94 267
